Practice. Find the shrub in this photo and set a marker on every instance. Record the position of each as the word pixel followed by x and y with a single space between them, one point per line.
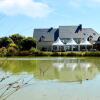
pixel 56 54
pixel 45 53
pixel 93 54
pixel 11 51
pixel 34 50
pixel 24 53
pixel 3 51
pixel 13 45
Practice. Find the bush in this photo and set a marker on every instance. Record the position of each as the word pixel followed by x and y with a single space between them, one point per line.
pixel 34 50
pixel 11 51
pixel 13 45
pixel 44 54
pixel 24 53
pixel 92 54
pixel 56 54
pixel 3 51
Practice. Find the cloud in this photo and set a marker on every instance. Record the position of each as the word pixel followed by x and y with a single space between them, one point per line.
pixel 24 7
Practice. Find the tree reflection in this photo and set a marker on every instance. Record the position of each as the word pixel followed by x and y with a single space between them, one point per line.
pixel 63 70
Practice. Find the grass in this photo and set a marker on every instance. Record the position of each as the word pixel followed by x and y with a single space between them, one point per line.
pixel 62 54
pixel 69 54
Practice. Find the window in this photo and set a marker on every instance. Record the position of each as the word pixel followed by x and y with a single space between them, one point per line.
pixel 94 34
pixel 55 48
pixel 42 38
pixel 84 33
pixel 61 48
pixel 90 38
pixel 63 41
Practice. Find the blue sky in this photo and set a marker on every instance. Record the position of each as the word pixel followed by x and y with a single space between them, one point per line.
pixel 22 16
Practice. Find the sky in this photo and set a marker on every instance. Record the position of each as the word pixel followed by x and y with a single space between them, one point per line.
pixel 22 16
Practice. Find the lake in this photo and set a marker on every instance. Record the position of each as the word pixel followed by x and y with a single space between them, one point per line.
pixel 50 78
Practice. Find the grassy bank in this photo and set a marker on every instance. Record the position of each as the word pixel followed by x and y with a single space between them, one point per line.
pixel 34 52
pixel 69 54
pixel 63 54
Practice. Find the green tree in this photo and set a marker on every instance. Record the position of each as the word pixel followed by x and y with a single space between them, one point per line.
pixel 17 38
pixel 13 45
pixel 5 41
pixel 97 44
pixel 27 43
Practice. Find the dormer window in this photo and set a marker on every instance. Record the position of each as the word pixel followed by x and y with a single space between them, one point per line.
pixel 84 33
pixel 94 34
pixel 42 38
pixel 90 38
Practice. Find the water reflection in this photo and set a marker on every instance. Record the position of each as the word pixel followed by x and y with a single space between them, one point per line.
pixel 71 66
pixel 61 69
pixel 59 66
pixel 52 78
pixel 70 70
pixel 85 66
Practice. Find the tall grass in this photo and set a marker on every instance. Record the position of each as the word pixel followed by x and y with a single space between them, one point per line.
pixel 66 54
pixel 70 54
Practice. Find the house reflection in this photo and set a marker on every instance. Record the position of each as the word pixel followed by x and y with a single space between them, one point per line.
pixel 85 66
pixel 59 66
pixel 62 69
pixel 71 66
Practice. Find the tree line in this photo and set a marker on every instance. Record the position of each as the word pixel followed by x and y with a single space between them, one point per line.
pixel 15 43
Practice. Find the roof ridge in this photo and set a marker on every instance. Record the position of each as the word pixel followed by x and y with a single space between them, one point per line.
pixel 69 26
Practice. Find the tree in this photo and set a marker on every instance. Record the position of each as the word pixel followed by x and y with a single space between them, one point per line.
pixel 98 38
pixel 97 44
pixel 27 43
pixel 13 45
pixel 17 38
pixel 5 41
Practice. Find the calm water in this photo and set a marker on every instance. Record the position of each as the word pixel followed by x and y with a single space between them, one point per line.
pixel 50 78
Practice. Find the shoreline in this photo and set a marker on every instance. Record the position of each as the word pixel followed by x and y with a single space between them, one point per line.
pixel 54 54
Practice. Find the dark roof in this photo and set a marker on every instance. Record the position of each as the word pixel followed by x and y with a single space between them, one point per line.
pixel 69 32
pixel 91 32
pixel 65 32
pixel 47 33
